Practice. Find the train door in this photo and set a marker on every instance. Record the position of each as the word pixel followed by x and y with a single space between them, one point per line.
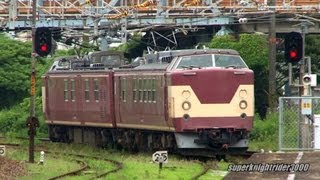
pixel 103 100
pixel 72 104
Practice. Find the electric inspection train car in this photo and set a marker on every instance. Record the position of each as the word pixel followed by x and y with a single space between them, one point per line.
pixel 192 101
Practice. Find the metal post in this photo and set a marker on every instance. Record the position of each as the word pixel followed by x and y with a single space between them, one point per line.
pixel 33 85
pixel 303 128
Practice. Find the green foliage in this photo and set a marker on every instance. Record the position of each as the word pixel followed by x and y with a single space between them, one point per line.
pixel 15 61
pixel 133 48
pixel 15 68
pixel 13 120
pixel 312 50
pixel 254 50
pixel 264 134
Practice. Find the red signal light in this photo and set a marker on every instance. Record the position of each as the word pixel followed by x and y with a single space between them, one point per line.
pixel 293 49
pixel 43 41
pixel 44 47
pixel 293 54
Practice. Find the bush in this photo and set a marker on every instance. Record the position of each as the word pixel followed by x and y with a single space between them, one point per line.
pixel 13 121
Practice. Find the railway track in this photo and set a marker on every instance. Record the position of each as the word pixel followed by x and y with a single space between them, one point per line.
pixel 206 166
pixel 118 165
pixel 73 172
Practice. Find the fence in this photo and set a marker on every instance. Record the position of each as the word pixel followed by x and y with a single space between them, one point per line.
pixel 297 123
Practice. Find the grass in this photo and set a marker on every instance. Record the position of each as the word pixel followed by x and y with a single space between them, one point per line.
pixel 216 171
pixel 265 133
pixel 135 166
pixel 46 171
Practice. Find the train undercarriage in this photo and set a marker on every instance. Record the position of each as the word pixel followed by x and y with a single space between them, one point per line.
pixel 207 143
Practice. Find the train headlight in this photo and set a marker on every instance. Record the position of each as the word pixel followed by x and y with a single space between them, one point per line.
pixel 243 104
pixel 186 105
pixel 186 94
pixel 243 93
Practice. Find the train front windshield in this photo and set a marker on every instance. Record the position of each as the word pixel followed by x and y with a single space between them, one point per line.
pixel 229 61
pixel 207 61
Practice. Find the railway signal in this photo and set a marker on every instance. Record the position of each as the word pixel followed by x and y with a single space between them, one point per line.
pixel 43 41
pixel 293 47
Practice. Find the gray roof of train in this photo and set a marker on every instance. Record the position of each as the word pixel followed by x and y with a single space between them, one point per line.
pixel 194 51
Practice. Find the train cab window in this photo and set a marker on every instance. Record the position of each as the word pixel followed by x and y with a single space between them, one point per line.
pixel 135 90
pixel 72 89
pixel 140 90
pixel 96 89
pixel 153 92
pixel 66 98
pixel 123 89
pixel 86 90
pixel 222 60
pixel 200 61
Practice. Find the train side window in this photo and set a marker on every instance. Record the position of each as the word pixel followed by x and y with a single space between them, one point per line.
pixel 145 92
pixel 124 89
pixel 153 90
pixel 140 90
pixel 65 90
pixel 135 90
pixel 86 90
pixel 72 89
pixel 150 90
pixel 96 90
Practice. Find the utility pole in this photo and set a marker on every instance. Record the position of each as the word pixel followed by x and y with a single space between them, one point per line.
pixel 272 63
pixel 31 119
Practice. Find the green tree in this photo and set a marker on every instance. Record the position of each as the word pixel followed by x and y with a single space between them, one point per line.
pixel 15 60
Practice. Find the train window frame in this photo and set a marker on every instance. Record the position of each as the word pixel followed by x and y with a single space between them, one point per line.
pixel 135 90
pixel 173 63
pixel 145 90
pixel 123 86
pixel 231 65
pixel 175 67
pixel 87 90
pixel 150 90
pixel 140 90
pixel 96 87
pixel 154 90
pixel 72 90
pixel 65 90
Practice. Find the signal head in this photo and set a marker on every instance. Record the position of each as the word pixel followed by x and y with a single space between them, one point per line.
pixel 42 41
pixel 293 47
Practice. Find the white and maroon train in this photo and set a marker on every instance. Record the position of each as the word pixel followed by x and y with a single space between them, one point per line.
pixel 186 100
